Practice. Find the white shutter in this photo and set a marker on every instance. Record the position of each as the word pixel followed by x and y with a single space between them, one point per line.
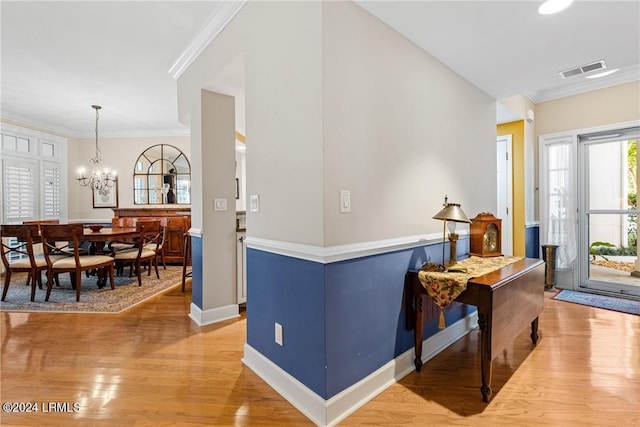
pixel 19 178
pixel 51 190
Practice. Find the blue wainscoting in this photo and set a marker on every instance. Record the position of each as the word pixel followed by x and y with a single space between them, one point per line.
pixel 532 241
pixel 289 291
pixel 196 268
pixel 341 321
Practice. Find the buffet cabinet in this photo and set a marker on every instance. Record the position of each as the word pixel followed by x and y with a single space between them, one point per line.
pixel 176 220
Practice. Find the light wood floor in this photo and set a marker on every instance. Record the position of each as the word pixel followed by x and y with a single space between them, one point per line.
pixel 153 366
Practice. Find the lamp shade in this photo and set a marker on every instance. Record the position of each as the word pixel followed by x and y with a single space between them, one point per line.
pixel 452 212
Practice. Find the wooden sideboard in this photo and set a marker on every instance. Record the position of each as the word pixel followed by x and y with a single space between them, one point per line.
pixel 176 220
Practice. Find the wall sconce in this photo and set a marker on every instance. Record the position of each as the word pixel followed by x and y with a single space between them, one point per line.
pixel 451 214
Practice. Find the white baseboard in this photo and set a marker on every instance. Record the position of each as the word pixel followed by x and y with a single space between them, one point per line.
pixel 213 315
pixel 330 412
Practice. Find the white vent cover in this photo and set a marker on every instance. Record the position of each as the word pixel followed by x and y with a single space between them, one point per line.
pixel 599 65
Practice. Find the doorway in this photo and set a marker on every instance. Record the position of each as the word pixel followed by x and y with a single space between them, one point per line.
pixel 504 210
pixel 608 235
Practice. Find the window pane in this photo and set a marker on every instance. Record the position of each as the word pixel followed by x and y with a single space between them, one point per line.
pixel 19 192
pixel 9 142
pixel 183 189
pixel 48 150
pixel 24 145
pixel 611 178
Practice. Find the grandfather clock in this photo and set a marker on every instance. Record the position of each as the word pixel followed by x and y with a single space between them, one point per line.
pixel 485 233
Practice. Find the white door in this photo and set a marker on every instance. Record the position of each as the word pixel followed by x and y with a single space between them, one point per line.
pixel 504 210
pixel 609 232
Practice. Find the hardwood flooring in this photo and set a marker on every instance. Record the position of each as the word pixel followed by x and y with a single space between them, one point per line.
pixel 153 366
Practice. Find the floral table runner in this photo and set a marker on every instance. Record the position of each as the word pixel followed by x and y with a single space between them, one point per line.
pixel 444 287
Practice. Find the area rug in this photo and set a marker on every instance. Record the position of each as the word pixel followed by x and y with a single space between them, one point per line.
pixel 92 299
pixel 599 301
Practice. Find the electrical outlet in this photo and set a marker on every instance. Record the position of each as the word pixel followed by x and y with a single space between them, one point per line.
pixel 279 334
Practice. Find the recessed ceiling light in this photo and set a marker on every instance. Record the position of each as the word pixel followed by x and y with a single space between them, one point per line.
pixel 553 6
pixel 605 73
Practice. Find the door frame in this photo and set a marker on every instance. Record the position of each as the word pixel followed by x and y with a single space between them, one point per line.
pixel 584 212
pixel 504 185
pixel 569 278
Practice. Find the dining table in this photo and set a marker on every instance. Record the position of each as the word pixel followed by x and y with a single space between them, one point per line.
pixel 99 238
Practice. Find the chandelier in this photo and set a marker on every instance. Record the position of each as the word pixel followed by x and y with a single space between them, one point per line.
pixel 101 179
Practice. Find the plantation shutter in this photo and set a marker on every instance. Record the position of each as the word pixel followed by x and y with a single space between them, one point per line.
pixel 20 195
pixel 51 190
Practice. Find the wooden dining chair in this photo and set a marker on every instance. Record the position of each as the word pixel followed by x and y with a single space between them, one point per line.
pixel 150 235
pixel 76 264
pixel 186 261
pixel 18 255
pixel 159 246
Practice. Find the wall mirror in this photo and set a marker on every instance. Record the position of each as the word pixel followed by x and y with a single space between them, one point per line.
pixel 162 175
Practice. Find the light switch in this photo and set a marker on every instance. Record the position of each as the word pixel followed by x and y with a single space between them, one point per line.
pixel 219 204
pixel 254 203
pixel 345 201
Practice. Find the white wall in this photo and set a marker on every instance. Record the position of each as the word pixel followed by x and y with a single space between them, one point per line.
pixel 216 163
pixel 119 154
pixel 401 130
pixel 283 97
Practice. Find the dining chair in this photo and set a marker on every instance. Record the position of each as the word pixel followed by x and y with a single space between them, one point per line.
pixel 186 260
pixel 18 255
pixel 76 264
pixel 37 245
pixel 159 246
pixel 150 235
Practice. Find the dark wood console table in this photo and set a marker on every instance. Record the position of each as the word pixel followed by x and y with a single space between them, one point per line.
pixel 508 300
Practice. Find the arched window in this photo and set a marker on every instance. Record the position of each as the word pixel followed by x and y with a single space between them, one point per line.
pixel 162 175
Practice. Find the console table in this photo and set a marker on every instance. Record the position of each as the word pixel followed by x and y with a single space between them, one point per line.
pixel 508 300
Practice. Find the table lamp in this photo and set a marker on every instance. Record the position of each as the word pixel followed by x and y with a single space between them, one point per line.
pixel 451 214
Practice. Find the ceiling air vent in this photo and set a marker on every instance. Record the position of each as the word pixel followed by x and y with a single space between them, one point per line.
pixel 599 65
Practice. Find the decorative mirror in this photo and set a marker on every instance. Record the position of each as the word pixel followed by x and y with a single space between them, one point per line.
pixel 162 175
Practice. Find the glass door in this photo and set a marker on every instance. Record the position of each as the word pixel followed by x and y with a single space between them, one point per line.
pixel 608 241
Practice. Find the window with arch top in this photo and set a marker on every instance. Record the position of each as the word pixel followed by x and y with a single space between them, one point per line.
pixel 162 175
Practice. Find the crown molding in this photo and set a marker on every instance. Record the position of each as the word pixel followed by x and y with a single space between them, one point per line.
pixel 25 123
pixel 219 19
pixel 627 75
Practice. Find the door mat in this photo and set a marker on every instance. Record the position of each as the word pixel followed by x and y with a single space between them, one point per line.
pixel 600 301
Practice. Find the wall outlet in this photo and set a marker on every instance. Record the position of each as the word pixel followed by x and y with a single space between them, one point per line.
pixel 279 334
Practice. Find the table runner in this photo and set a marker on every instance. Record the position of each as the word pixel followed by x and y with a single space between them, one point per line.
pixel 444 287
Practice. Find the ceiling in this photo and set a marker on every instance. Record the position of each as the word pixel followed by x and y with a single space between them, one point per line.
pixel 59 58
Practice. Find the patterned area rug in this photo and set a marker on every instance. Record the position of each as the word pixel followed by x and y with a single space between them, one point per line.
pixel 92 300
pixel 600 301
